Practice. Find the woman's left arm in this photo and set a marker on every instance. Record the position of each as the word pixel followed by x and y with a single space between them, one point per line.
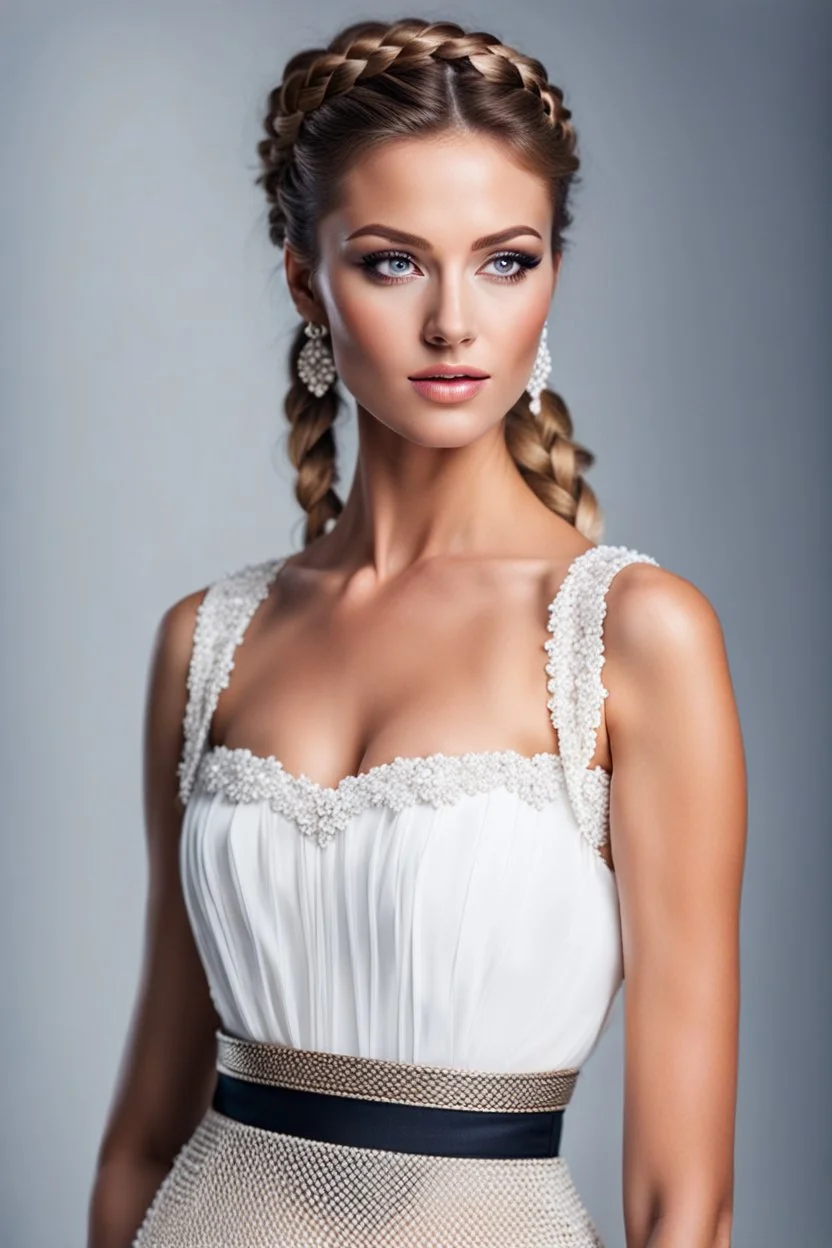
pixel 677 827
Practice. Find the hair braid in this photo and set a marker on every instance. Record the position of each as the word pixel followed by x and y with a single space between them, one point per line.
pixel 377 81
pixel 551 463
pixel 369 50
pixel 311 446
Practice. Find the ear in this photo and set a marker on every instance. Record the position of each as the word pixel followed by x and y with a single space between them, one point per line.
pixel 301 289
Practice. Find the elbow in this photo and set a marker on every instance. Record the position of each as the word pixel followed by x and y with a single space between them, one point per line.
pixel 689 1223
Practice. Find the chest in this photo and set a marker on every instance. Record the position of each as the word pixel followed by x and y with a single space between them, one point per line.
pixel 332 689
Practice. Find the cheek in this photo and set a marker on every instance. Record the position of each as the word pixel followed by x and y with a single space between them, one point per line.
pixel 370 333
pixel 360 307
pixel 524 334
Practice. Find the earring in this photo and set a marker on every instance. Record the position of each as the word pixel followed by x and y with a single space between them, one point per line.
pixel 316 367
pixel 540 373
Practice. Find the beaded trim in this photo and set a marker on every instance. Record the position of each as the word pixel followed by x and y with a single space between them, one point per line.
pixel 404 1083
pixel 321 812
pixel 221 621
pixel 575 653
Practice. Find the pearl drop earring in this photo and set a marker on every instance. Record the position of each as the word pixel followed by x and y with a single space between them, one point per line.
pixel 316 367
pixel 540 373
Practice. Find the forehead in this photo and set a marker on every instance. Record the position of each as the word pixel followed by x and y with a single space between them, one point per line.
pixel 447 188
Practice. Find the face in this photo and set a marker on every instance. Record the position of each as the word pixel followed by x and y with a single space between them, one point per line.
pixel 437 255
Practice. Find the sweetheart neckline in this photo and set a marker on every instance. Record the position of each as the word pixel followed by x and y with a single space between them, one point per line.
pixel 574 646
pixel 378 770
pixel 508 755
pixel 321 812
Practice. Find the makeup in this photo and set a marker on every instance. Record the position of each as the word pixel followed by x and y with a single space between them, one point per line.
pixel 447 390
pixel 448 383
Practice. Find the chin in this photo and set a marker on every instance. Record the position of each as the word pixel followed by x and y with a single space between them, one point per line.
pixel 446 430
pixel 436 425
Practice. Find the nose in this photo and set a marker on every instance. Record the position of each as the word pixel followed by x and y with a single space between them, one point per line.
pixel 449 319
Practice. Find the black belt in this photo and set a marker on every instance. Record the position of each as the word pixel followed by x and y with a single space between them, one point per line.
pixel 388 1124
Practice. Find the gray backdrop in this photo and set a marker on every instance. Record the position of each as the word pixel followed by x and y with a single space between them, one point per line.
pixel 144 330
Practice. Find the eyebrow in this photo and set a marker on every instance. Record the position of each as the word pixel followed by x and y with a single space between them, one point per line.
pixel 413 240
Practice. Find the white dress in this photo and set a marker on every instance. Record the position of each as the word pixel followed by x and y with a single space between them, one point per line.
pixel 443 910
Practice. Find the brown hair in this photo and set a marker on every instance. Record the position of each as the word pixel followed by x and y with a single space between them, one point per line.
pixel 377 81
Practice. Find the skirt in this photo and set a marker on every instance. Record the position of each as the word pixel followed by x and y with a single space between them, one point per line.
pixel 308 1148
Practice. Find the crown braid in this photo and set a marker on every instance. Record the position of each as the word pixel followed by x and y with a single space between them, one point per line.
pixel 377 81
pixel 369 50
pixel 406 45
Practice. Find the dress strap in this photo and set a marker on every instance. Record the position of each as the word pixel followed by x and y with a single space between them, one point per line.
pixel 221 620
pixel 575 652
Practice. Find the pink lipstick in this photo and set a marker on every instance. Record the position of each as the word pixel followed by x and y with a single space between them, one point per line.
pixel 448 383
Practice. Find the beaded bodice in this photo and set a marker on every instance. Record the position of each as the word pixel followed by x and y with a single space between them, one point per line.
pixel 443 909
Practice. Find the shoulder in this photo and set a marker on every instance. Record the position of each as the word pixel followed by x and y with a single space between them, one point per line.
pixel 193 650
pixel 167 696
pixel 238 589
pixel 173 642
pixel 654 615
pixel 196 616
pixel 663 639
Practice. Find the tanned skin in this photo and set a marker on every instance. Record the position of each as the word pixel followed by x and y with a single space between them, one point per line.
pixel 167 1073
pixel 436 580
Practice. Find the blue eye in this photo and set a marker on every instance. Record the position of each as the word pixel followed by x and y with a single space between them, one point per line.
pixel 503 260
pixel 398 260
pixel 402 267
pixel 521 259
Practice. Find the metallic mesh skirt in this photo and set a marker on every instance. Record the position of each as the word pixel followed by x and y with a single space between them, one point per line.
pixel 236 1185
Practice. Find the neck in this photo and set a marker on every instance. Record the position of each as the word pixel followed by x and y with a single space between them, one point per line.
pixel 409 502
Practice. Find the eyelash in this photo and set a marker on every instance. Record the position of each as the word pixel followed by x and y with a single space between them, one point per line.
pixel 522 258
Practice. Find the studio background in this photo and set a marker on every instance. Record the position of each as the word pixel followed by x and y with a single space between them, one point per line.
pixel 143 337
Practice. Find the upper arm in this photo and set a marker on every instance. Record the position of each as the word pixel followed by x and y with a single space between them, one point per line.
pixel 677 828
pixel 167 1070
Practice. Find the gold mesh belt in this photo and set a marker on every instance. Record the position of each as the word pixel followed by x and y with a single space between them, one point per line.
pixel 373 1079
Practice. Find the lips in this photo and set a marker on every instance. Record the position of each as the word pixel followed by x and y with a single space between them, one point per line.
pixel 448 384
pixel 444 372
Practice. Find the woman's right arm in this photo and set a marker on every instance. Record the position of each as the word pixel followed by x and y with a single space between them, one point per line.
pixel 167 1072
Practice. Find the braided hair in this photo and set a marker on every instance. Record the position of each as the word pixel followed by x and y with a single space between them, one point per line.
pixel 377 81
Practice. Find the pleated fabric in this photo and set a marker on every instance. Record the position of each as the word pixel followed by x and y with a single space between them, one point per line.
pixel 484 934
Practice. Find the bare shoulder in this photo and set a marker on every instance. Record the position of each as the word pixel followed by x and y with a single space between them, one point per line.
pixel 173 644
pixel 672 714
pixel 167 696
pixel 175 631
pixel 656 618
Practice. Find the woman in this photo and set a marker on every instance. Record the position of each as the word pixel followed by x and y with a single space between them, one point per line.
pixel 393 885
